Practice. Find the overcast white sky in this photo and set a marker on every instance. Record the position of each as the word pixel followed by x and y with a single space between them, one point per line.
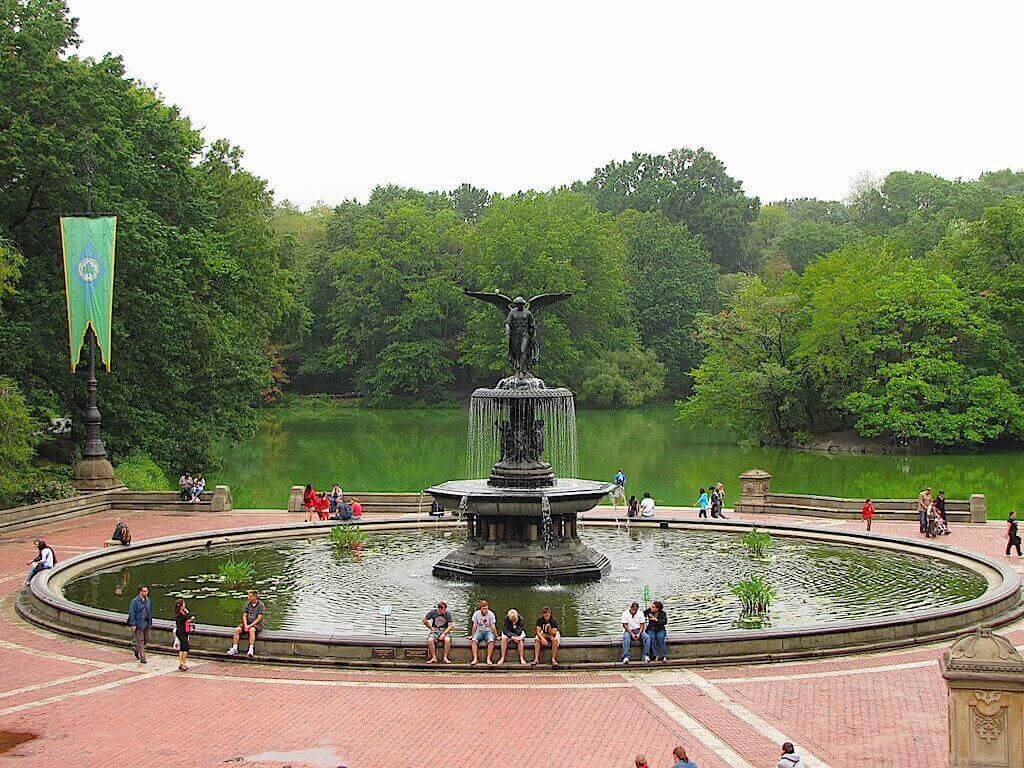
pixel 329 99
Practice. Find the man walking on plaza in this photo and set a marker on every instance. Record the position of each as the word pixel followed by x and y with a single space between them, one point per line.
pixel 924 501
pixel 140 619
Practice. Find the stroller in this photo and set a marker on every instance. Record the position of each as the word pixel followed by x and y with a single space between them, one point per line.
pixel 936 524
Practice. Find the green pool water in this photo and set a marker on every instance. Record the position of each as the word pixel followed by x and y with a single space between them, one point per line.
pixel 407 450
pixel 307 584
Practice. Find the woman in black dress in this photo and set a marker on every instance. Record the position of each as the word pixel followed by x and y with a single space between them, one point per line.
pixel 182 627
pixel 1012 537
pixel 633 507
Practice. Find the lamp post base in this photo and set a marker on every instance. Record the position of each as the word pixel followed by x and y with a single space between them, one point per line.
pixel 94 473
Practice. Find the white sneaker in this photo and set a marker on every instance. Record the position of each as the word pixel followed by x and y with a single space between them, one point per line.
pixel 647 659
pixel 251 651
pixel 625 659
pixel 233 650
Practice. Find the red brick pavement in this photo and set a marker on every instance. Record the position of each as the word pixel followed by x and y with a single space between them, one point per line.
pixel 95 706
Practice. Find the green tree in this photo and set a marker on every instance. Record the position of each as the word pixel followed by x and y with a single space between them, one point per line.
pixel 795 233
pixel 672 283
pixel 688 186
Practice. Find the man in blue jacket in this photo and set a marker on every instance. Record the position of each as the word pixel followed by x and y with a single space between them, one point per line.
pixel 140 619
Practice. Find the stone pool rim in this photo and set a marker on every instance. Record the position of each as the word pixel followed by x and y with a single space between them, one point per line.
pixel 44 604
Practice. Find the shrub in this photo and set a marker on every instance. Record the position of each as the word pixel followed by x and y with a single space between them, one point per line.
pixel 348 537
pixel 756 541
pixel 138 472
pixel 237 573
pixel 755 594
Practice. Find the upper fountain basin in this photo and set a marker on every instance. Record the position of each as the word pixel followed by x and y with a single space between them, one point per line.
pixel 567 495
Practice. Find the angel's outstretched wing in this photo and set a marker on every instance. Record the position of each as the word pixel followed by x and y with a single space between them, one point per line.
pixel 500 300
pixel 543 299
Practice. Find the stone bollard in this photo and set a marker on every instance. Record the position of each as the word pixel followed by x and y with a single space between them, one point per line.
pixel 221 501
pixel 979 510
pixel 755 486
pixel 985 676
pixel 295 498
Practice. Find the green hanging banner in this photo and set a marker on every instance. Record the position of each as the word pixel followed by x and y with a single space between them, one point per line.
pixel 88 243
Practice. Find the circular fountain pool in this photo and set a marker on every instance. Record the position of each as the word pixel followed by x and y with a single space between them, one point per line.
pixel 310 586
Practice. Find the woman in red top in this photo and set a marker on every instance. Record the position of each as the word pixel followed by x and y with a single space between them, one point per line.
pixel 314 503
pixel 867 512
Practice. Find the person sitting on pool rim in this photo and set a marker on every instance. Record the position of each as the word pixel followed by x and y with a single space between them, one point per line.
pixel 514 631
pixel 546 634
pixel 439 622
pixel 253 616
pixel 484 626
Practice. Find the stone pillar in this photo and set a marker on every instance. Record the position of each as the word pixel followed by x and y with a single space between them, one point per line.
pixel 985 676
pixel 572 528
pixel 979 510
pixel 755 485
pixel 532 531
pixel 222 501
pixel 295 498
pixel 470 527
pixel 492 532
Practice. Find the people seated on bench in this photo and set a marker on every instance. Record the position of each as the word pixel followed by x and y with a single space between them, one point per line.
pixel 439 622
pixel 344 512
pixel 185 486
pixel 546 634
pixel 121 533
pixel 357 508
pixel 41 562
pixel 634 626
pixel 198 486
pixel 335 500
pixel 514 631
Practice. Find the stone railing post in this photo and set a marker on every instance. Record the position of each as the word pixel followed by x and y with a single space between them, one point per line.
pixel 222 501
pixel 985 676
pixel 979 510
pixel 295 498
pixel 755 485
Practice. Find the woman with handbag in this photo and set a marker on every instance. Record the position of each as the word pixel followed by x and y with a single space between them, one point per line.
pixel 184 623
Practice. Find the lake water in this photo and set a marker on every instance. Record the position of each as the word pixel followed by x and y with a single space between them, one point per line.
pixel 323 442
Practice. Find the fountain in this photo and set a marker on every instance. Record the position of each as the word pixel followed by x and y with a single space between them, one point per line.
pixel 521 517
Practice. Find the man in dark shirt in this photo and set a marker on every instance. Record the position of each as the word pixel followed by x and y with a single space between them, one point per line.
pixel 546 634
pixel 253 616
pixel 439 622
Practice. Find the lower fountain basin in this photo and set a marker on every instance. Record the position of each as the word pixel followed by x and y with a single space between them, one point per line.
pixel 568 495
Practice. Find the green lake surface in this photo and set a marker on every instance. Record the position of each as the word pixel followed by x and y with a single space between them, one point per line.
pixel 323 442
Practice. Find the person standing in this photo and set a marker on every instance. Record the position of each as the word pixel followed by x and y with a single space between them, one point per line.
pixel 44 560
pixel 619 492
pixel 633 625
pixel 546 634
pixel 484 626
pixel 867 512
pixel 940 506
pixel 140 619
pixel 1012 537
pixel 924 501
pixel 657 622
pixel 720 493
pixel 254 615
pixel 682 761
pixel 439 622
pixel 703 502
pixel 182 629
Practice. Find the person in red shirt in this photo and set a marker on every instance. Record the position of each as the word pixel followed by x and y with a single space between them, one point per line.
pixel 867 512
pixel 315 504
pixel 357 508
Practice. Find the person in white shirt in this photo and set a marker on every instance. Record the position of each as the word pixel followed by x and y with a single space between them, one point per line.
pixel 45 559
pixel 647 505
pixel 789 759
pixel 484 628
pixel 633 626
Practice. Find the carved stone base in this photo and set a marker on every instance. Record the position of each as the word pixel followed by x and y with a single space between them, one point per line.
pixel 94 473
pixel 535 475
pixel 522 563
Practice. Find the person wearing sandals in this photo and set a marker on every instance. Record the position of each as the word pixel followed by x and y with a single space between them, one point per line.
pixel 513 630
pixel 439 622
pixel 546 634
pixel 182 628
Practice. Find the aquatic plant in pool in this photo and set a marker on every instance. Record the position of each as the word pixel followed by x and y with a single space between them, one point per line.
pixel 755 595
pixel 307 586
pixel 237 573
pixel 756 541
pixel 348 537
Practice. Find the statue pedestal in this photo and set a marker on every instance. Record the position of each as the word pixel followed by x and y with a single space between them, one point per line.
pixel 985 676
pixel 94 473
pixel 755 486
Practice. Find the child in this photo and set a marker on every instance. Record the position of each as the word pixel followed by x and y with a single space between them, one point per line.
pixel 703 502
pixel 867 512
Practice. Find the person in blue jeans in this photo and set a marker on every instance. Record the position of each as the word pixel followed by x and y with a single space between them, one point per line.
pixel 656 621
pixel 633 626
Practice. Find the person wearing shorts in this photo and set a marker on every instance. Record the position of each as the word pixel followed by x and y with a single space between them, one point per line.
pixel 253 616
pixel 439 622
pixel 484 625
pixel 546 634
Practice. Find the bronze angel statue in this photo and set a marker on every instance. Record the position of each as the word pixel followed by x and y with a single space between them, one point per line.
pixel 520 325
